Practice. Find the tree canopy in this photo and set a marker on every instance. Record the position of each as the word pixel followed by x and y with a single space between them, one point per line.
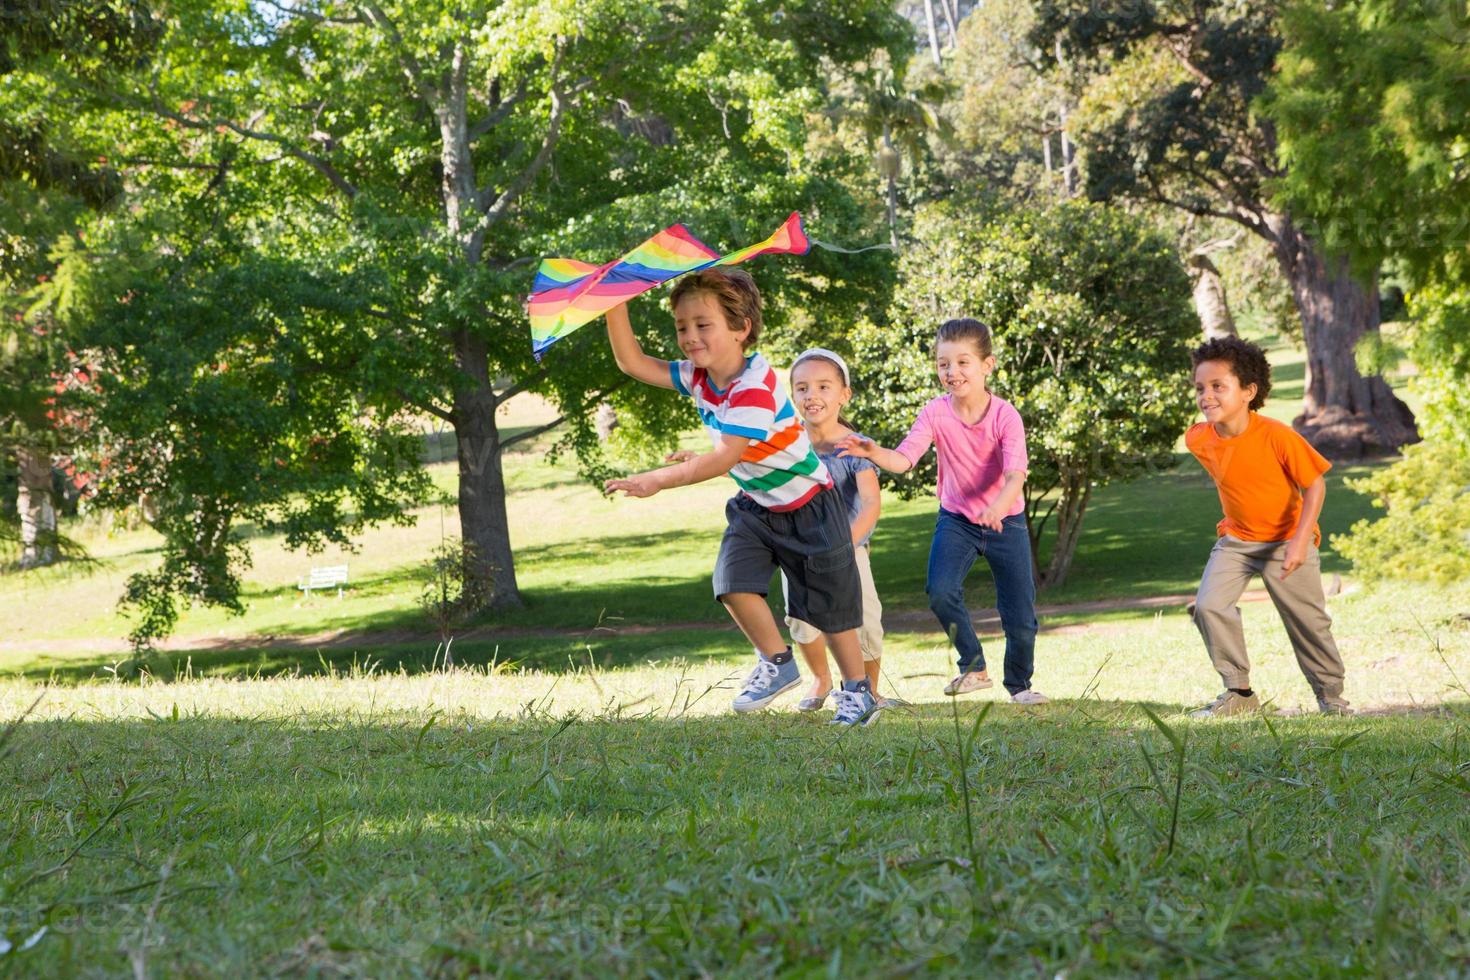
pixel 1172 121
pixel 1092 324
pixel 422 158
pixel 1374 121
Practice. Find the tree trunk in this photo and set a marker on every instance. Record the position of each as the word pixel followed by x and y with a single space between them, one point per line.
pixel 951 22
pixel 1069 162
pixel 1069 165
pixel 1209 298
pixel 1076 491
pixel 1075 495
pixel 489 562
pixel 893 212
pixel 37 512
pixel 484 526
pixel 606 421
pixel 933 32
pixel 1345 415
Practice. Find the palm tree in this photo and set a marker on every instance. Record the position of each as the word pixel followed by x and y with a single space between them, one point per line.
pixel 898 121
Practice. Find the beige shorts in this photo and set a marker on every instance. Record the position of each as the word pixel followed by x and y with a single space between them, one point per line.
pixel 870 634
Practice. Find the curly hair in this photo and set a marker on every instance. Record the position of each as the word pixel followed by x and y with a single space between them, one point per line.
pixel 1247 362
pixel 733 289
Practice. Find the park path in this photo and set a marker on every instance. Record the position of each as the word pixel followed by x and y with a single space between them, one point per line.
pixel 904 621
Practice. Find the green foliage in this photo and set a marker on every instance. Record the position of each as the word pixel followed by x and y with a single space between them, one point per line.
pixel 1172 122
pixel 1425 534
pixel 422 158
pixel 1092 322
pixel 1016 97
pixel 1373 116
pixel 1372 113
pixel 223 395
pixel 447 596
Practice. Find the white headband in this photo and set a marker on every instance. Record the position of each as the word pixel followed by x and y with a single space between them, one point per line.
pixel 823 352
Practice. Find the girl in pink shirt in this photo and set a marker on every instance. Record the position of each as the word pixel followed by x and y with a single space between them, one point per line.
pixel 981 446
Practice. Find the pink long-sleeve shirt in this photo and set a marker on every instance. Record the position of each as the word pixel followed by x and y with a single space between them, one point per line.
pixel 973 459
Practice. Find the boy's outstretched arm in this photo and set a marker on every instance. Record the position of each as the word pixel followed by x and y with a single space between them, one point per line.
pixel 694 469
pixel 629 354
pixel 889 459
pixel 1304 536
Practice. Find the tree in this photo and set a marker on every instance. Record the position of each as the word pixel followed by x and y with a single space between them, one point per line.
pixel 425 155
pixel 46 188
pixel 898 122
pixel 220 399
pixel 1210 301
pixel 1015 101
pixel 1173 123
pixel 1092 323
pixel 1371 110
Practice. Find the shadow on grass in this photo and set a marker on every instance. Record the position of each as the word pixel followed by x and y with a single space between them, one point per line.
pixel 283 657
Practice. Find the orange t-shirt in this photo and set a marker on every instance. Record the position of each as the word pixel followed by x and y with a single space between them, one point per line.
pixel 1260 475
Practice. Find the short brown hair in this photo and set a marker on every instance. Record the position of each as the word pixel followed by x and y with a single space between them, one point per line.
pixel 733 289
pixel 965 328
pixel 1247 362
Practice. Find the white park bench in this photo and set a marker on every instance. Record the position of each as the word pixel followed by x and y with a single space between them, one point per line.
pixel 326 577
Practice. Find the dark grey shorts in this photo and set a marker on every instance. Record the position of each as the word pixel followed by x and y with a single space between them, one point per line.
pixel 812 545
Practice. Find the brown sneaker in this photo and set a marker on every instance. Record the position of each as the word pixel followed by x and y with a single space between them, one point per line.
pixel 974 680
pixel 1228 704
pixel 1338 707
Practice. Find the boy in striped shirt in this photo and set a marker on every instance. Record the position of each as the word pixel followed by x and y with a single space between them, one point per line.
pixel 787 513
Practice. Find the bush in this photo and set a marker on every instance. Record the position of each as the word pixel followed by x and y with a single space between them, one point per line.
pixel 1092 320
pixel 1425 532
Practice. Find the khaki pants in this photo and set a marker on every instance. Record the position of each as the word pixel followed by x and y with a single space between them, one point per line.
pixel 1299 600
pixel 870 634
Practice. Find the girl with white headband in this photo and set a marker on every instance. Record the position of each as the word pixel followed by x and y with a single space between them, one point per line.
pixel 820 387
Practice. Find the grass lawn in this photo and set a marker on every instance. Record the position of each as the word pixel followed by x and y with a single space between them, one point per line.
pixel 602 819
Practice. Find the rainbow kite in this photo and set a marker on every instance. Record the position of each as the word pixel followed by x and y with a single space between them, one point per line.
pixel 568 293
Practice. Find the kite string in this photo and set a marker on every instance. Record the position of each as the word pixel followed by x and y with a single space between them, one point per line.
pixel 846 251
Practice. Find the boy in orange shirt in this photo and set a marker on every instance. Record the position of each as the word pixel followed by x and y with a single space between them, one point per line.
pixel 1271 490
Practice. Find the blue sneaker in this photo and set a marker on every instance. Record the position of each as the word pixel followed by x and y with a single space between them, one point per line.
pixel 853 708
pixel 766 682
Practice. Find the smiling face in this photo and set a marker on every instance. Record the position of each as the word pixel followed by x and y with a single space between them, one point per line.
pixel 817 389
pixel 705 335
pixel 1219 394
pixel 962 369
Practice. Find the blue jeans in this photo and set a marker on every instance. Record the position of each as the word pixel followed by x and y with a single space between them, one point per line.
pixel 957 543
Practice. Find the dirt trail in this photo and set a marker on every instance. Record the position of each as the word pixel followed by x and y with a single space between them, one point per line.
pixel 906 621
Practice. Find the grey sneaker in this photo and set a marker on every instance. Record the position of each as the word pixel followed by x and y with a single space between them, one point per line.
pixel 812 704
pixel 1334 707
pixel 1228 704
pixel 971 680
pixel 854 707
pixel 765 683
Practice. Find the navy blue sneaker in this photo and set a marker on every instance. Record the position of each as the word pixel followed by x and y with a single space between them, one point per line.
pixel 766 682
pixel 854 707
